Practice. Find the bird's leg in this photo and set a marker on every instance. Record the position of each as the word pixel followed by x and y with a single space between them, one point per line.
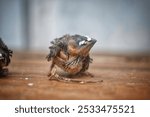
pixel 88 74
pixel 53 73
pixel 51 68
pixel 63 79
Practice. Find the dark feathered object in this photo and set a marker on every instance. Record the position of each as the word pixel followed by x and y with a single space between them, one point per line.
pixel 5 55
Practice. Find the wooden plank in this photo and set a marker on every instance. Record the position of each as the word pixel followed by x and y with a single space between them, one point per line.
pixel 124 77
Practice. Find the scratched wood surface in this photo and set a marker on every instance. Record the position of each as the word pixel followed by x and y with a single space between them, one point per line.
pixel 124 77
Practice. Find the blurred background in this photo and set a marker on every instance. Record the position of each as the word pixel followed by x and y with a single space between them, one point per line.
pixel 120 26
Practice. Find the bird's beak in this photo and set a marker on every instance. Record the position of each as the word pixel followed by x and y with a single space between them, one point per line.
pixel 93 41
pixel 88 47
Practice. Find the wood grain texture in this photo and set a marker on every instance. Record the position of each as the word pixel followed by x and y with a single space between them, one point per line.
pixel 124 77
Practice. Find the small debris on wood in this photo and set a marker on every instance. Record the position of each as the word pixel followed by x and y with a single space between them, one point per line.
pixel 26 78
pixel 30 84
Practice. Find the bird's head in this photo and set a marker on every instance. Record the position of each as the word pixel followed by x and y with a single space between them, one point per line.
pixel 80 45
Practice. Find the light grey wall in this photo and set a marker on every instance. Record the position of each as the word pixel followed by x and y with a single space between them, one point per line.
pixel 11 23
pixel 118 25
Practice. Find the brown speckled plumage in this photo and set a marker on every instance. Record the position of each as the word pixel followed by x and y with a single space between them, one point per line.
pixel 71 54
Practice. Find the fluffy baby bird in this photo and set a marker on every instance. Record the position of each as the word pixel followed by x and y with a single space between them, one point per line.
pixel 5 55
pixel 71 54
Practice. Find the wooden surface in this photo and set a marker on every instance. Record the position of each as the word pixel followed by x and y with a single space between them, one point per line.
pixel 124 77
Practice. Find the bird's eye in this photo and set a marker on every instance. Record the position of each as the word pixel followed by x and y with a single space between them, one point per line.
pixel 88 38
pixel 82 43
